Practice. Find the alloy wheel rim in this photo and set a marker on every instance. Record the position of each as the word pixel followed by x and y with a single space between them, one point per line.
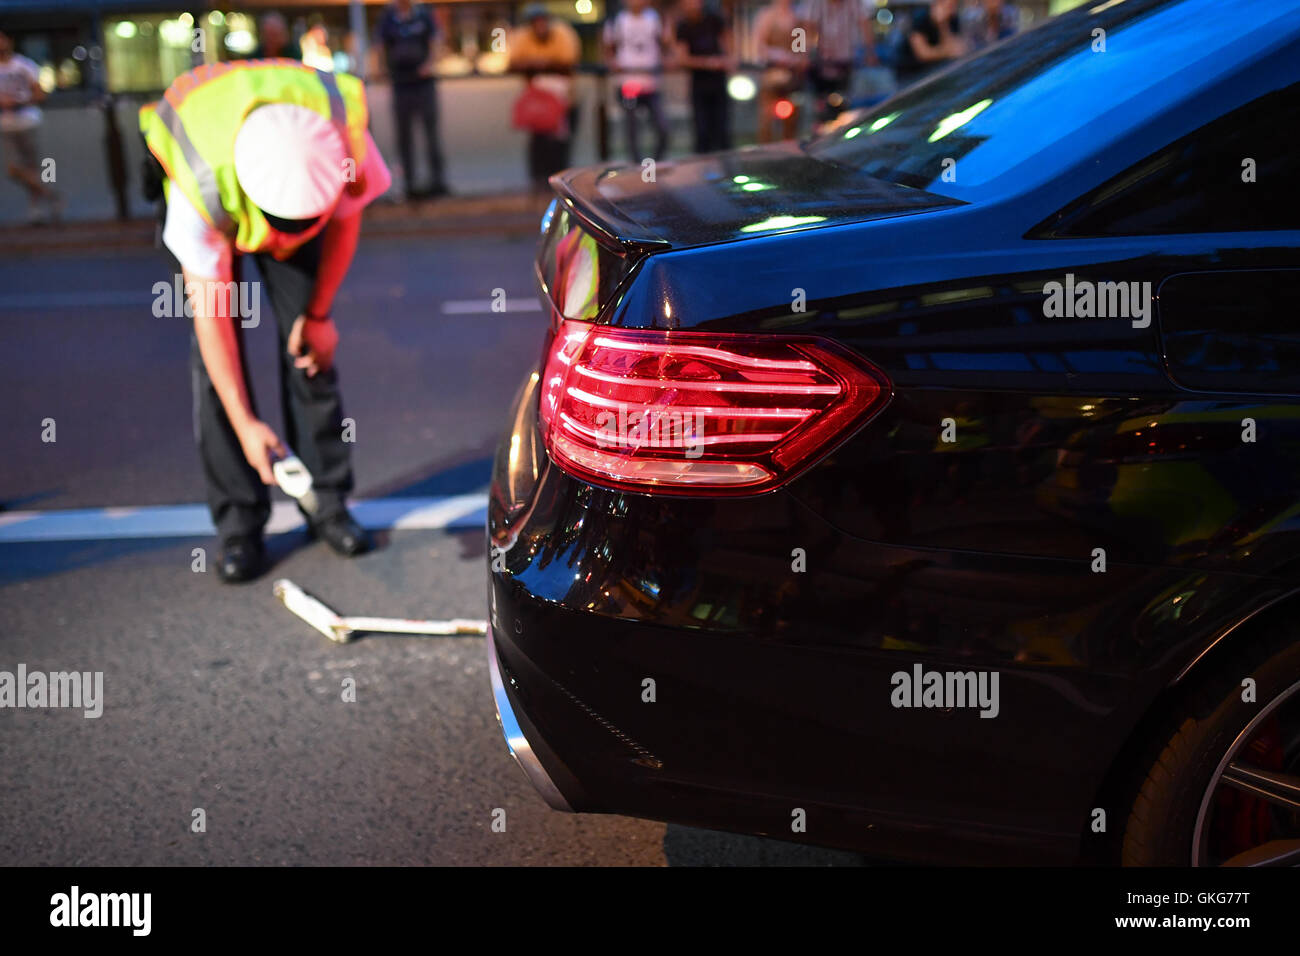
pixel 1279 789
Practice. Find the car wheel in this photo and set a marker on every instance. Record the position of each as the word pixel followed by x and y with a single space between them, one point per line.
pixel 1225 788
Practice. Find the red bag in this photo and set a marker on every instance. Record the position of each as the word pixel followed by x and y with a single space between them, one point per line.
pixel 538 111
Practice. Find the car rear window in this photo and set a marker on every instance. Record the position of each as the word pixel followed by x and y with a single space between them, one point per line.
pixel 996 114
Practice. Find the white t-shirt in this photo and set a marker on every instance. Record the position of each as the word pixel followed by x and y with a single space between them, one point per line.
pixel 203 250
pixel 16 79
pixel 637 54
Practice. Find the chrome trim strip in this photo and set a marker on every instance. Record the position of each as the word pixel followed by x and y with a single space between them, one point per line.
pixel 519 746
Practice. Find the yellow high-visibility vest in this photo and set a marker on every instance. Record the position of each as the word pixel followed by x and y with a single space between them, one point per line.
pixel 192 130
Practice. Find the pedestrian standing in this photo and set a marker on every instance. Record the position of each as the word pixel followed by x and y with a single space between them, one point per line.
pixel 988 21
pixel 934 40
pixel 545 50
pixel 839 27
pixel 20 118
pixel 704 47
pixel 406 35
pixel 274 39
pixel 269 159
pixel 783 70
pixel 634 49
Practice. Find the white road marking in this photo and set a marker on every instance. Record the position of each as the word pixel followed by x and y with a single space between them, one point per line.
pixel 517 303
pixel 443 512
pixel 74 300
pixel 111 298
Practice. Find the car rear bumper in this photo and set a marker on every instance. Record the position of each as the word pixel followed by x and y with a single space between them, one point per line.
pixel 516 739
pixel 678 660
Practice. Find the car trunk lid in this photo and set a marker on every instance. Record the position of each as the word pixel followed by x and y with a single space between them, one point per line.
pixel 723 197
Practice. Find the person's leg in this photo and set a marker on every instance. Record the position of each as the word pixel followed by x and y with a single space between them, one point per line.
pixel 403 117
pixel 817 83
pixel 429 114
pixel 237 500
pixel 766 110
pixel 721 112
pixel 700 117
pixel 630 122
pixel 843 78
pixel 655 103
pixel 566 144
pixel 552 158
pixel 541 163
pixel 23 167
pixel 790 125
pixel 312 407
pixel 537 161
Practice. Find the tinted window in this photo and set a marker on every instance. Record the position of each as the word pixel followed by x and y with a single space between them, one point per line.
pixel 1199 184
pixel 1010 117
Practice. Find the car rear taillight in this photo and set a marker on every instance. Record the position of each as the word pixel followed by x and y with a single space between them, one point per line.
pixel 698 412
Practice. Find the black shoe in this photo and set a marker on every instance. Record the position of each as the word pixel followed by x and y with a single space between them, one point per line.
pixel 242 558
pixel 343 534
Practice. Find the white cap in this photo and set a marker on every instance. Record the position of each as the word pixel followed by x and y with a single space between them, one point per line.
pixel 289 161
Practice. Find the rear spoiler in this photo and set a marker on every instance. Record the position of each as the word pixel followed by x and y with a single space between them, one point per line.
pixel 578 190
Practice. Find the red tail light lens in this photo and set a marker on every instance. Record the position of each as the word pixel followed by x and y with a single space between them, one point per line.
pixel 698 412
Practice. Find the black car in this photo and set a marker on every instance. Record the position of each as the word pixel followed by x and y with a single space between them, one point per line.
pixel 932 488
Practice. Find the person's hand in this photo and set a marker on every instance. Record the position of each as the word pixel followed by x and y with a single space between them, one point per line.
pixel 321 339
pixel 258 441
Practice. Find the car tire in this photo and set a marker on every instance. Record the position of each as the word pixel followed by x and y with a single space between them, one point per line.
pixel 1204 728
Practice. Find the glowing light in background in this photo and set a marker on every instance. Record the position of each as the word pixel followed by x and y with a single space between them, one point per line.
pixel 741 87
pixel 174 33
pixel 240 41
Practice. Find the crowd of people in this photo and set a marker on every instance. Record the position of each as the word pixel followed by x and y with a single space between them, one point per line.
pixel 812 45
pixel 816 47
pixel 801 45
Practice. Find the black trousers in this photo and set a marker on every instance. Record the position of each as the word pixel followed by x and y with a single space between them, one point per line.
pixel 312 410
pixel 652 104
pixel 549 154
pixel 412 101
pixel 710 108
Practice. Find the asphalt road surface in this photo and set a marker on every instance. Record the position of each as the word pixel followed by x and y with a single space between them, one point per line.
pixel 214 697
